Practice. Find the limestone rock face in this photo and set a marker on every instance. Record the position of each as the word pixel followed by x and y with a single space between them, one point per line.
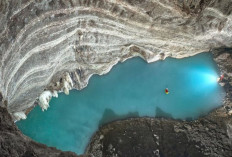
pixel 42 40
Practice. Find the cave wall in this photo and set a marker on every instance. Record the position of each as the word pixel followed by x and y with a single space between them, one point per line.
pixel 44 41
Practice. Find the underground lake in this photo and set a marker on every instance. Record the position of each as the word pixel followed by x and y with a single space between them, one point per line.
pixel 131 89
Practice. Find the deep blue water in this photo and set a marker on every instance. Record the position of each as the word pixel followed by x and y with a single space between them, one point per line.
pixel 131 89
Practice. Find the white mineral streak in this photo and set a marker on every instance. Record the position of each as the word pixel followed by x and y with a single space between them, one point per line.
pixel 44 99
pixel 58 45
pixel 69 80
pixel 19 115
pixel 230 112
pixel 229 131
pixel 66 87
pixel 55 94
pixel 67 84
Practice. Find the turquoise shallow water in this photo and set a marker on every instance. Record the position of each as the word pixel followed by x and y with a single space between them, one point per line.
pixel 131 89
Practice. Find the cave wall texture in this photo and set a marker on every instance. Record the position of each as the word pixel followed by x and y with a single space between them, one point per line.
pixel 43 43
pixel 57 45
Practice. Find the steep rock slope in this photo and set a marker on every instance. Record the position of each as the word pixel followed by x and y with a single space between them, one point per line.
pixel 57 45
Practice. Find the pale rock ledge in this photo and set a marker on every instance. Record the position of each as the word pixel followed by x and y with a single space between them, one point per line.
pixel 19 115
pixel 44 99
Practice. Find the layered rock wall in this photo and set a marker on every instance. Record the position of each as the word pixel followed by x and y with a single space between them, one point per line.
pixel 56 45
pixel 43 41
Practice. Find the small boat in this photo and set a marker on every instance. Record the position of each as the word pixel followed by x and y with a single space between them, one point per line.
pixel 166 91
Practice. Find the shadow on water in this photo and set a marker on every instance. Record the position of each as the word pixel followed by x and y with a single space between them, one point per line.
pixel 162 114
pixel 110 116
pixel 159 113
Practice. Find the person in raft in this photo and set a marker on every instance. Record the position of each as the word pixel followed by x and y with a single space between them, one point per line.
pixel 220 78
pixel 166 91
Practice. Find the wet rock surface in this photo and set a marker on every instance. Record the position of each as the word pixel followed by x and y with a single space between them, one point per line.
pixel 208 136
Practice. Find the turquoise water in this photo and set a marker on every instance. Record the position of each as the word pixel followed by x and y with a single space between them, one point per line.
pixel 131 89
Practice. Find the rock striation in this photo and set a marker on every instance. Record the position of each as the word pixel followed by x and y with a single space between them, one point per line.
pixel 47 46
pixel 50 46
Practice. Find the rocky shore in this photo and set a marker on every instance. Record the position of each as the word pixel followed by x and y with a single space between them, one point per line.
pixel 157 137
pixel 14 144
pixel 208 136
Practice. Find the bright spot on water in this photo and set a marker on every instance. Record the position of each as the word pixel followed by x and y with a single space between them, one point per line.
pixel 211 78
pixel 204 79
pixel 131 89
